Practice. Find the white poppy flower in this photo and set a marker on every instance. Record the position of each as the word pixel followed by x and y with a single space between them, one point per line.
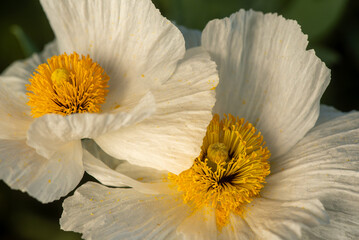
pixel 268 77
pixel 117 73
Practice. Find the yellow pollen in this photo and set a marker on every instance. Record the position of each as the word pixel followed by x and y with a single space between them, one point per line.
pixel 229 172
pixel 67 84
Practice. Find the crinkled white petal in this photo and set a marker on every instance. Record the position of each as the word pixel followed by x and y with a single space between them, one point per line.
pixel 273 219
pixel 14 114
pixel 324 165
pixel 136 46
pixel 266 75
pixel 200 225
pixel 111 177
pixel 49 132
pixel 99 212
pixel 327 113
pixel 44 179
pixel 17 75
pixel 192 37
pixel 171 138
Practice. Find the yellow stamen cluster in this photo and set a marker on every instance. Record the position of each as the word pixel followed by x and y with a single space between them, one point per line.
pixel 230 170
pixel 67 84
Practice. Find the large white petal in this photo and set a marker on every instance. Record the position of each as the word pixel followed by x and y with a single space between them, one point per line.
pixel 44 179
pixel 171 138
pixel 284 219
pixel 324 165
pixel 266 75
pixel 49 132
pixel 99 212
pixel 136 46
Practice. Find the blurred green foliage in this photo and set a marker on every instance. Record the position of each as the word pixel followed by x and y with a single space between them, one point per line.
pixel 332 27
pixel 27 46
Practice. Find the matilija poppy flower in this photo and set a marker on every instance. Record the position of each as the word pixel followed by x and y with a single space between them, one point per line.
pixel 118 73
pixel 280 172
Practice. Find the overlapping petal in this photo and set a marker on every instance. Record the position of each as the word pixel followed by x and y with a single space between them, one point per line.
pixel 48 133
pixel 120 178
pixel 104 162
pixel 172 137
pixel 327 113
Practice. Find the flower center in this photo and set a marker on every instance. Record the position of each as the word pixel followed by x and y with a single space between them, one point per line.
pixel 67 84
pixel 230 170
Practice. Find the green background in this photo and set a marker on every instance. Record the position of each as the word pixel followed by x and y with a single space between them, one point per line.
pixel 332 27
